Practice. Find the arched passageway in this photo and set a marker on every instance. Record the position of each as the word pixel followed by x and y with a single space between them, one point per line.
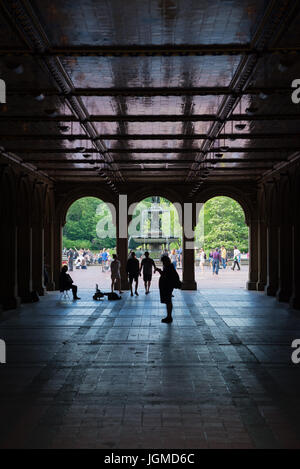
pixel 221 244
pixel 89 241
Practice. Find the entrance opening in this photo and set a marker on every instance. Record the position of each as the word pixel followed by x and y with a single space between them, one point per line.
pixel 89 241
pixel 155 227
pixel 221 226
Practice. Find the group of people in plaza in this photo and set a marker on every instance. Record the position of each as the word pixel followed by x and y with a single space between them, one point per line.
pixel 169 278
pixel 82 258
pixel 139 264
pixel 218 258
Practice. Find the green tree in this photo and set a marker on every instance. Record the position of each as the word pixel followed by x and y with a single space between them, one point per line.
pixel 81 223
pixel 224 224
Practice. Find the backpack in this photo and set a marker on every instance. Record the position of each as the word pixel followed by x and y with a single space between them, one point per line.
pixel 98 295
pixel 113 296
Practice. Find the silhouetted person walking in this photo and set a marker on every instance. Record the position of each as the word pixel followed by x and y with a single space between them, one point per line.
pixel 169 279
pixel 147 266
pixel 66 283
pixel 133 271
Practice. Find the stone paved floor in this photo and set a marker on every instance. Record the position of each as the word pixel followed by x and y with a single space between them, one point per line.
pixel 111 375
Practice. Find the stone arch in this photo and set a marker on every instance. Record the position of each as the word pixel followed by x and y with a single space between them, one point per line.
pixel 63 205
pixel 248 204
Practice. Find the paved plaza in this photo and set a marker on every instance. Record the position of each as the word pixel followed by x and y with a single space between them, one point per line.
pixel 111 375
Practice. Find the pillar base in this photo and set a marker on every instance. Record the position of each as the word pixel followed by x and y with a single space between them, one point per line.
pixel 260 286
pixel 189 285
pixel 251 285
pixel 10 303
pixel 50 286
pixel 34 296
pixel 283 296
pixel 40 291
pixel 295 302
pixel 270 291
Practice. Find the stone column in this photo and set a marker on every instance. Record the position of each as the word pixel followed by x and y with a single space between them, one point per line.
pixel 38 259
pixel 25 263
pixel 188 249
pixel 295 258
pixel 122 224
pixel 49 255
pixel 253 255
pixel 9 282
pixel 272 260
pixel 57 242
pixel 262 256
pixel 284 263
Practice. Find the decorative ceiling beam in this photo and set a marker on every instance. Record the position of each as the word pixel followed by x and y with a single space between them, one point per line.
pixel 154 150
pixel 159 161
pixel 28 27
pixel 149 51
pixel 154 118
pixel 276 16
pixel 141 92
pixel 235 136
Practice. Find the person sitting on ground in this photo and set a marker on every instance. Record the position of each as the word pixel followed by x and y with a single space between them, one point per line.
pixel 66 282
pixel 169 279
pixel 115 273
pixel 147 265
pixel 83 263
pixel 133 271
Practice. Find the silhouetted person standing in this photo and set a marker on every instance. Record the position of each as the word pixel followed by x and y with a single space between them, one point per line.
pixel 169 279
pixel 147 266
pixel 115 273
pixel 66 283
pixel 133 271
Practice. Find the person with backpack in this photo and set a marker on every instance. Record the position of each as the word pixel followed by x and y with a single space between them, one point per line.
pixel 133 271
pixel 169 279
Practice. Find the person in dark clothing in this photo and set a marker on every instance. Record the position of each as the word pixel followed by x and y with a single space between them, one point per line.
pixel 147 266
pixel 216 261
pixel 133 272
pixel 66 283
pixel 169 279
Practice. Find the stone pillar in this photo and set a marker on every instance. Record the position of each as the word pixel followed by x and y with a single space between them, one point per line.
pixel 262 256
pixel 49 255
pixel 188 249
pixel 9 282
pixel 57 229
pixel 284 263
pixel 272 260
pixel 122 243
pixel 122 253
pixel 295 258
pixel 25 263
pixel 253 255
pixel 38 259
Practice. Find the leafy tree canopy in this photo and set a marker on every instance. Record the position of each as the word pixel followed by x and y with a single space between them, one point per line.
pixel 224 224
pixel 82 219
